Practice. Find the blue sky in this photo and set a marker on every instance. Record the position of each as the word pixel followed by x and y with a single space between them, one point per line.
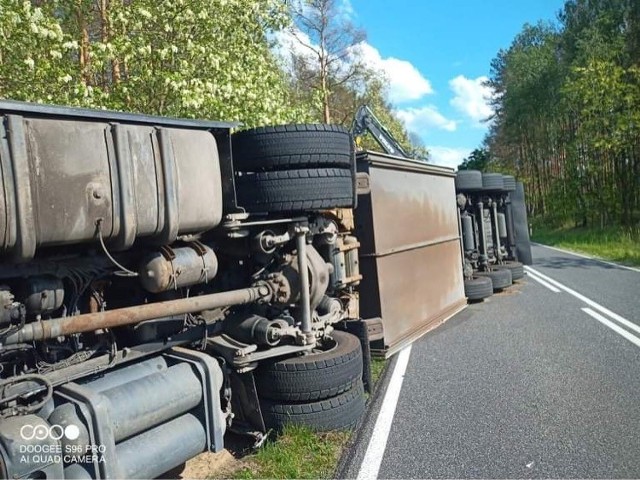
pixel 436 53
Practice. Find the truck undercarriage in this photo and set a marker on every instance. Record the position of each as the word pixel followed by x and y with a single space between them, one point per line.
pixel 145 278
pixel 492 260
pixel 163 281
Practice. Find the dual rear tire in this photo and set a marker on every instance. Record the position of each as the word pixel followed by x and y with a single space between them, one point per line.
pixel 478 288
pixel 322 390
pixel 470 181
pixel 475 181
pixel 294 168
pixel 483 284
pixel 500 279
pixel 516 269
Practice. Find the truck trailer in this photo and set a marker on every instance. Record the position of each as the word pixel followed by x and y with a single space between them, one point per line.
pixel 165 280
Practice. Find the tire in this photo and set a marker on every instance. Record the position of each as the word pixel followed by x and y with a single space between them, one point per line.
pixel 468 181
pixel 509 182
pixel 499 278
pixel 293 147
pixel 313 377
pixel 338 413
pixel 516 269
pixel 492 182
pixel 478 288
pixel 296 190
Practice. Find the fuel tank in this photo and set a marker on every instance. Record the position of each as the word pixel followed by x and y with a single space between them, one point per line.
pixel 67 175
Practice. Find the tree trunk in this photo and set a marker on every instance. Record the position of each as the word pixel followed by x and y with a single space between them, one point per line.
pixel 326 116
pixel 85 60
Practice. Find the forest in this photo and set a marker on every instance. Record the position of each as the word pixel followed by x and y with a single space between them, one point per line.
pixel 566 93
pixel 208 59
pixel 567 115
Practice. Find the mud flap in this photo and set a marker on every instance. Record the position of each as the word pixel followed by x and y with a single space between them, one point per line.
pixel 521 225
pixel 360 330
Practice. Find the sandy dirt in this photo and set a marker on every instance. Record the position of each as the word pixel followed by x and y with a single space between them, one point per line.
pixel 211 465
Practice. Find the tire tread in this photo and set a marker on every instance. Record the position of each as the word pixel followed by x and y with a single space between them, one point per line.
pixel 313 377
pixel 478 288
pixel 340 412
pixel 293 146
pixel 296 190
pixel 499 278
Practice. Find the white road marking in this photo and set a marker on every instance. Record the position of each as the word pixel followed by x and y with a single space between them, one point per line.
pixel 595 259
pixel 586 300
pixel 543 283
pixel 608 323
pixel 378 442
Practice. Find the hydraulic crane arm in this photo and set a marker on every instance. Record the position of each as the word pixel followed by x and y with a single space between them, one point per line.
pixel 365 121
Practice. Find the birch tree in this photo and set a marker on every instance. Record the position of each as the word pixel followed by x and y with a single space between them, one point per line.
pixel 328 61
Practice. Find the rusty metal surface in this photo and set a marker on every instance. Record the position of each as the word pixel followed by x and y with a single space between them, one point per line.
pixel 46 329
pixel 410 255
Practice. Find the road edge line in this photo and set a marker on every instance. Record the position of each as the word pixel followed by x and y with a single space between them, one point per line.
pixel 588 257
pixel 372 460
pixel 608 323
pixel 588 301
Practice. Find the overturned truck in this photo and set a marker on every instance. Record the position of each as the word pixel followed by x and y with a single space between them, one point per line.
pixel 163 281
pixel 494 231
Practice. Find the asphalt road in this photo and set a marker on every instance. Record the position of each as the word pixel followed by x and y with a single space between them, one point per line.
pixel 525 385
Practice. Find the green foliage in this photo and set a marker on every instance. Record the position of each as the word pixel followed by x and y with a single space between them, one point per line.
pixel 328 65
pixel 606 98
pixel 567 113
pixel 620 244
pixel 206 58
pixel 479 159
pixel 187 58
pixel 36 56
pixel 377 368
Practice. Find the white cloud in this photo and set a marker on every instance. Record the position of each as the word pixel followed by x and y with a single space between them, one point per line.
pixel 422 119
pixel 472 98
pixel 406 83
pixel 404 80
pixel 446 156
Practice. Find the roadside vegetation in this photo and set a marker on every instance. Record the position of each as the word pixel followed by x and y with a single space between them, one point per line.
pixel 567 123
pixel 377 367
pixel 618 244
pixel 257 62
pixel 299 452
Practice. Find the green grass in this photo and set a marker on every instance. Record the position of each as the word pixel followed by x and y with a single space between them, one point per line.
pixel 377 367
pixel 298 452
pixel 614 243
